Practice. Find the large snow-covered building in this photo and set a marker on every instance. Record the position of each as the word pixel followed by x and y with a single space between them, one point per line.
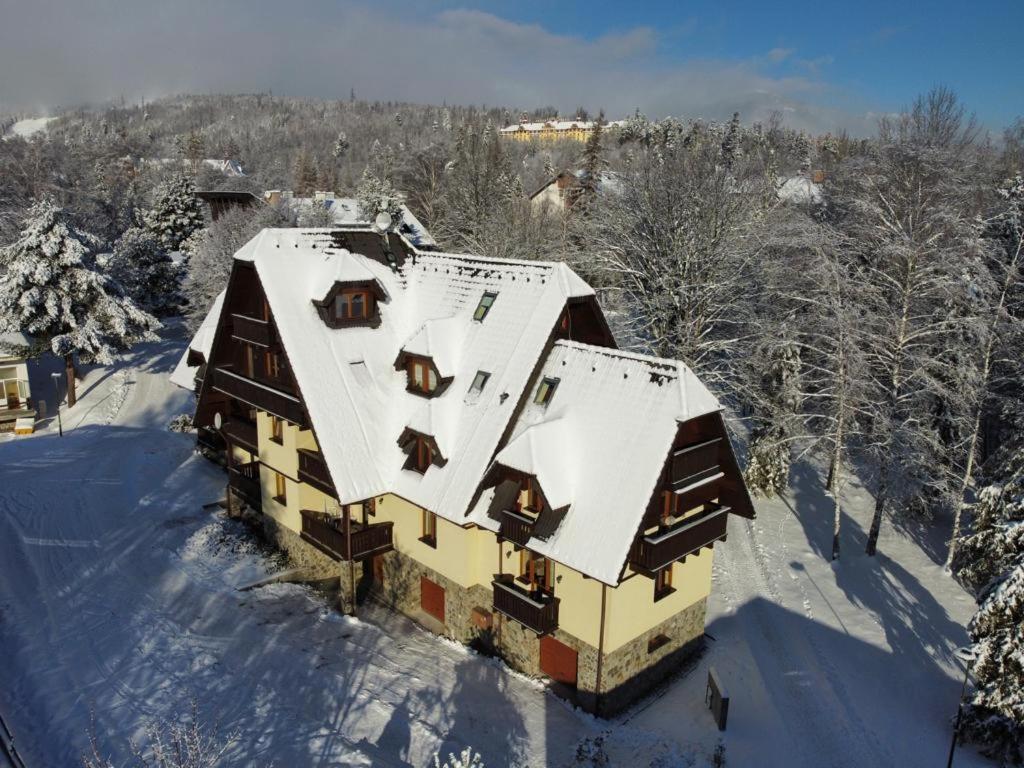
pixel 460 437
pixel 554 129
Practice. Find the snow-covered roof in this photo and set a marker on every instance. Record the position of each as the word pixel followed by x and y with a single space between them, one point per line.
pixel 559 125
pixel 345 211
pixel 184 375
pixel 607 404
pixel 12 340
pixel 358 403
pixel 799 189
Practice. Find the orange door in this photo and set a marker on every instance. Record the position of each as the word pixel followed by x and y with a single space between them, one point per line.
pixel 432 598
pixel 558 660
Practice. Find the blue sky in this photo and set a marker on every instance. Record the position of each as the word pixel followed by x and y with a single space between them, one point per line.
pixel 823 65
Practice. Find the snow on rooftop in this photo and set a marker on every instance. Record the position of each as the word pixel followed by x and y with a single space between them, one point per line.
pixel 345 212
pixel 357 401
pixel 799 189
pixel 559 125
pixel 607 404
pixel 184 375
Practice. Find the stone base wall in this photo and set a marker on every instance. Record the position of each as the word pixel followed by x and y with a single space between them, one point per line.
pixel 316 566
pixel 631 671
pixel 401 590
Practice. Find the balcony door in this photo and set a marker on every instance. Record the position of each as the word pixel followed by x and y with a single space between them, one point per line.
pixel 11 394
pixel 535 572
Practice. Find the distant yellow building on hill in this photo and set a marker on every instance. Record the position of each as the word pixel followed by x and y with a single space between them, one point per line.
pixel 554 129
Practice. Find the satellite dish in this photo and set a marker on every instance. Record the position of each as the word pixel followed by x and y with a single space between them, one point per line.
pixel 217 421
pixel 383 222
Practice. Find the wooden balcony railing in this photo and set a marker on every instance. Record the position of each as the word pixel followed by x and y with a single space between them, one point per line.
pixel 694 463
pixel 313 470
pixel 515 527
pixel 244 480
pixel 328 535
pixel 655 551
pixel 536 611
pixel 257 394
pixel 209 439
pixel 251 329
pixel 243 434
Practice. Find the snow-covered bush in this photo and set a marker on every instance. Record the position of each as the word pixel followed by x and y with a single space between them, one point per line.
pixel 181 423
pixel 375 195
pixel 182 743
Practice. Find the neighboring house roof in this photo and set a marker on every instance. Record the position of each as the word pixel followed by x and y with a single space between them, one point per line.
pixel 345 211
pixel 799 189
pixel 13 340
pixel 608 405
pixel 184 375
pixel 606 181
pixel 559 125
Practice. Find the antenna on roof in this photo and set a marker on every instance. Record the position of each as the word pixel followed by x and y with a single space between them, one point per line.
pixel 382 223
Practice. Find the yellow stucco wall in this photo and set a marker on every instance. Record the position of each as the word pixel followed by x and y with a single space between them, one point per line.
pixel 631 609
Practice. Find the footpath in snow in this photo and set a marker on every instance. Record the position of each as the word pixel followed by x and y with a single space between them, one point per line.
pixel 119 596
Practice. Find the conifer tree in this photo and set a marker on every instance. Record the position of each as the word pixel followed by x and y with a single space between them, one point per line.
pixel 176 212
pixel 994 557
pixel 341 146
pixel 593 161
pixel 146 272
pixel 731 142
pixel 52 290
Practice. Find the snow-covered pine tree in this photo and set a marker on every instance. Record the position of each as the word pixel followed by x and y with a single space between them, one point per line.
pixel 731 142
pixel 146 272
pixel 993 557
pixel 593 162
pixel 767 472
pixel 176 212
pixel 304 174
pixel 376 195
pixel 341 146
pixel 52 290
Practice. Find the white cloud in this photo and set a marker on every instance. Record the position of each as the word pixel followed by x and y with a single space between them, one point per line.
pixel 66 51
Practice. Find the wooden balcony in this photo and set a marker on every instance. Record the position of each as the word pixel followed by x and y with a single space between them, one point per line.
pixel 257 394
pixel 537 611
pixel 209 439
pixel 515 526
pixel 252 330
pixel 244 480
pixel 694 463
pixel 655 551
pixel 313 470
pixel 328 535
pixel 243 434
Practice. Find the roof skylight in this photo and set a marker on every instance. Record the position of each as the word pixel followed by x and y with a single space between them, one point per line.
pixel 484 306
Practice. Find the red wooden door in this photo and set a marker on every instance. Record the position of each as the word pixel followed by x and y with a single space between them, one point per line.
pixel 557 660
pixel 432 598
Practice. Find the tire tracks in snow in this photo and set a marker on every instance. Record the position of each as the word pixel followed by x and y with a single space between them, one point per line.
pixel 823 728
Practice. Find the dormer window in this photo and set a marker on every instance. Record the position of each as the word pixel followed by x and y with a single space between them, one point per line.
pixel 545 391
pixel 421 450
pixel 353 304
pixel 422 376
pixel 486 301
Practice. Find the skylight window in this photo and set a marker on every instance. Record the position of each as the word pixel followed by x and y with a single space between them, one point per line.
pixel 479 381
pixel 484 306
pixel 545 391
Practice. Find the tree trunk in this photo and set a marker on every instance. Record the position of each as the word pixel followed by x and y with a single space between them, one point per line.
pixel 69 370
pixel 965 482
pixel 834 474
pixel 876 520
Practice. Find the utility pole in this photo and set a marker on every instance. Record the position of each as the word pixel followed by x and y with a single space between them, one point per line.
pixel 967 656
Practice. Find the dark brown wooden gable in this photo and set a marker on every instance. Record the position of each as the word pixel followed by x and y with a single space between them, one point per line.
pixel 245 291
pixel 391 251
pixel 583 321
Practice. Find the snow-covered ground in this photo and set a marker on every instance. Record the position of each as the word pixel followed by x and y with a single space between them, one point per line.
pixel 25 128
pixel 119 595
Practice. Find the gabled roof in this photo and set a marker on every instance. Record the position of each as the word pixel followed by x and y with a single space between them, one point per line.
pixel 184 375
pixel 357 401
pixel 608 404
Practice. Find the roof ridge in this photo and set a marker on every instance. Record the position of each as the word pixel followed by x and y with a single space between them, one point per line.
pixel 623 354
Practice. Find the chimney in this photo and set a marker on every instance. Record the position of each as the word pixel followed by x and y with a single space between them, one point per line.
pixel 272 196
